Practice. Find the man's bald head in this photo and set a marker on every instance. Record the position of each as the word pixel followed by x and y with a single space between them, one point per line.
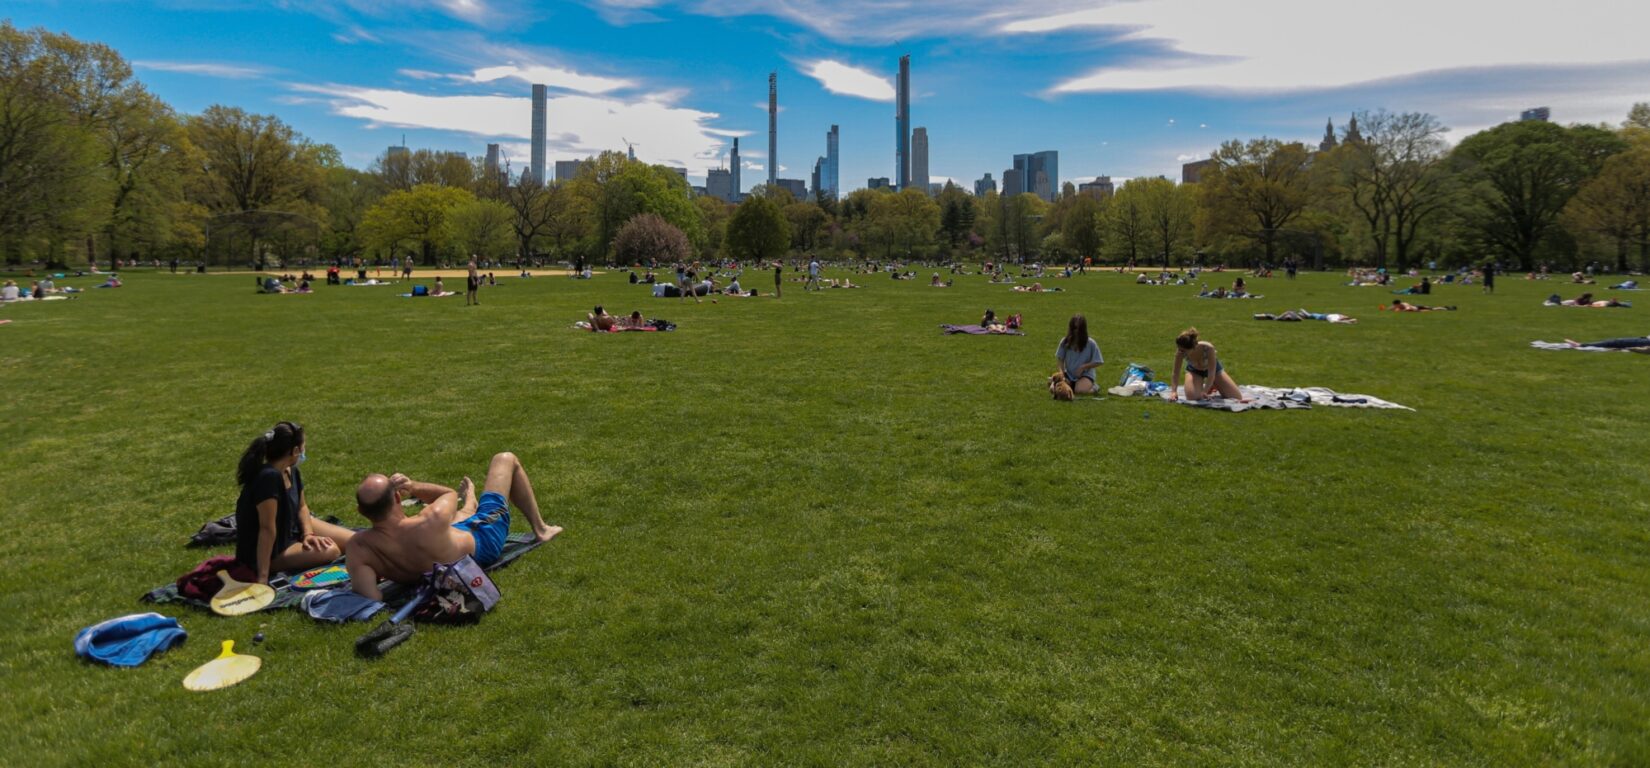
pixel 374 496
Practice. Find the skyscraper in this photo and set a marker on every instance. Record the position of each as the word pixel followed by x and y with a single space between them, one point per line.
pixel 831 175
pixel 919 159
pixel 902 126
pixel 773 127
pixel 1039 173
pixel 985 185
pixel 567 169
pixel 733 168
pixel 816 180
pixel 537 161
pixel 493 165
pixel 1014 182
pixel 719 184
pixel 1541 114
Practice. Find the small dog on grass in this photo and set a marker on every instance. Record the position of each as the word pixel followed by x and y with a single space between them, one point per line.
pixel 1058 387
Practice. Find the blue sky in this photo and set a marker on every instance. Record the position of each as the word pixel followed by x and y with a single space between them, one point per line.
pixel 1123 88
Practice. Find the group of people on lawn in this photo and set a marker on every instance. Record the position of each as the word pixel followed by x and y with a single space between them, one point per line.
pixel 1205 374
pixel 276 533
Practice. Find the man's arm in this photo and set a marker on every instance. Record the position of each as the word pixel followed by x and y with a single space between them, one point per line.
pixel 426 493
pixel 363 580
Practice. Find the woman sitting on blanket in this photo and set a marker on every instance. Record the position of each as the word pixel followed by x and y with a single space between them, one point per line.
pixel 274 530
pixel 1239 288
pixel 1079 355
pixel 633 321
pixel 1205 374
pixel 1399 305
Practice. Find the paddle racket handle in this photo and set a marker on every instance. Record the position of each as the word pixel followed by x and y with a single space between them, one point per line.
pixel 412 605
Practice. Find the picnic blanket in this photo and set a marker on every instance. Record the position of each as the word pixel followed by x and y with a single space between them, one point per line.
pixel 651 327
pixel 1558 345
pixel 515 546
pixel 975 330
pixel 1274 398
pixel 441 295
pixel 1230 296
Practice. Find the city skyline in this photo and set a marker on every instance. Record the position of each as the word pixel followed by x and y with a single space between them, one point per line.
pixel 990 81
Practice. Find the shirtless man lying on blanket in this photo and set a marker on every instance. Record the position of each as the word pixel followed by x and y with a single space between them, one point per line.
pixel 452 524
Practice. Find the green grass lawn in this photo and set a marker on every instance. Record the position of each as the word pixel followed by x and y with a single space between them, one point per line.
pixel 815 531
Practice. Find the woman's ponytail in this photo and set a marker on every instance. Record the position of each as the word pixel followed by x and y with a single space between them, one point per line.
pixel 273 444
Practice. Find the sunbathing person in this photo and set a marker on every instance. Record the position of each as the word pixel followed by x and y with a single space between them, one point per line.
pixel 1634 343
pixel 633 321
pixel 1298 315
pixel 1587 300
pixel 1239 288
pixel 990 319
pixel 452 524
pixel 600 321
pixel 1205 374
pixel 1399 305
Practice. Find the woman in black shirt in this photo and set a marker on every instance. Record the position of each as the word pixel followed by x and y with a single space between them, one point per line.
pixel 273 527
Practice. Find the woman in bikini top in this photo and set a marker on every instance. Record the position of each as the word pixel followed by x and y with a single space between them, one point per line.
pixel 1201 382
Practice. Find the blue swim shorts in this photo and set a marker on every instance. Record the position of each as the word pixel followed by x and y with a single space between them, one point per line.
pixel 489 526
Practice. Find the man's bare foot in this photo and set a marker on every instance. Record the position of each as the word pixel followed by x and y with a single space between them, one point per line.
pixel 547 532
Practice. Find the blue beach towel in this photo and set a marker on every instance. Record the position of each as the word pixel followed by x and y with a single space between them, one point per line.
pixel 128 641
pixel 339 605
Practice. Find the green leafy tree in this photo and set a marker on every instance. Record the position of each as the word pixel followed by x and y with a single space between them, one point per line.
pixel 616 188
pixel 715 214
pixel 1521 176
pixel 758 232
pixel 806 220
pixel 1256 189
pixel 1127 223
pixel 482 228
pixel 902 223
pixel 422 215
pixel 1169 212
pixel 1080 227
pixel 1615 205
pixel 54 188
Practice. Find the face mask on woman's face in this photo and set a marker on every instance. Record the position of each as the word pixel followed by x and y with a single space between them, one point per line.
pixel 301 457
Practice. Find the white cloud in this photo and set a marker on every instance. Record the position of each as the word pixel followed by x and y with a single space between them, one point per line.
pixel 846 80
pixel 555 77
pixel 580 125
pixel 206 68
pixel 420 74
pixel 1276 45
pixel 855 20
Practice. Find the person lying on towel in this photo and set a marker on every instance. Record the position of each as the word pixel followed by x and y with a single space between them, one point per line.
pixel 452 524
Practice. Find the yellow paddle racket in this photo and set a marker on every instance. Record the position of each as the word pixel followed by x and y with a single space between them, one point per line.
pixel 226 670
pixel 239 598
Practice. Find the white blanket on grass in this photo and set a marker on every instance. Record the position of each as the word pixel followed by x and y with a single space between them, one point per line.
pixel 1559 345
pixel 1280 398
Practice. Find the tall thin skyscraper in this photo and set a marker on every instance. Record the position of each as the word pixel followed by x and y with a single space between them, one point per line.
pixel 902 126
pixel 831 176
pixel 493 165
pixel 537 161
pixel 733 168
pixel 773 127
pixel 919 159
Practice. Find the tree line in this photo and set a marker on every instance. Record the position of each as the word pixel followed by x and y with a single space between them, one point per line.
pixel 94 167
